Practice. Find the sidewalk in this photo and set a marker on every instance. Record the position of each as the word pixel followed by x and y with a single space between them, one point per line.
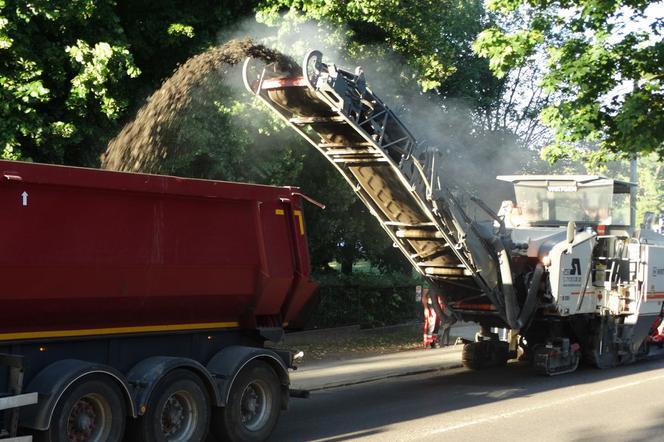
pixel 329 374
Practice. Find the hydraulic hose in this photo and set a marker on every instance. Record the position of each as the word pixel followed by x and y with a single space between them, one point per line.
pixel 511 303
pixel 530 304
pixel 433 297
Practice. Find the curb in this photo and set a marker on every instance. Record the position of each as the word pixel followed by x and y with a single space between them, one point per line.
pixel 335 333
pixel 323 381
pixel 388 376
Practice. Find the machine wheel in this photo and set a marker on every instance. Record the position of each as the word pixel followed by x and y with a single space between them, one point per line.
pixel 178 411
pixel 91 410
pixel 606 359
pixel 311 67
pixel 643 351
pixel 603 353
pixel 485 354
pixel 253 407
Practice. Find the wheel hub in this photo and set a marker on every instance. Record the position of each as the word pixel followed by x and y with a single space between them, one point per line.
pixel 85 422
pixel 254 407
pixel 178 417
pixel 82 421
pixel 172 417
pixel 251 403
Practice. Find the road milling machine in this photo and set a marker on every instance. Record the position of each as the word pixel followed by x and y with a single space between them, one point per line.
pixel 561 268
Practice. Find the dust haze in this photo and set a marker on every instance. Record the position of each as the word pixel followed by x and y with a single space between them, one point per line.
pixel 470 157
pixel 158 140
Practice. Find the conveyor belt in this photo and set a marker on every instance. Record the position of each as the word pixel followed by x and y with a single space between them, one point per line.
pixel 394 176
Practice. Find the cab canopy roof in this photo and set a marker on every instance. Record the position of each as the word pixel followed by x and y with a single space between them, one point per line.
pixel 570 180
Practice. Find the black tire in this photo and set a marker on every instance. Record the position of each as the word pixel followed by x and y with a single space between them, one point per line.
pixel 608 359
pixel 253 406
pixel 178 411
pixel 602 337
pixel 485 354
pixel 642 352
pixel 91 410
pixel 471 358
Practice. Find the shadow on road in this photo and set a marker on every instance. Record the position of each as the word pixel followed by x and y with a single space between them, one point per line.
pixel 352 412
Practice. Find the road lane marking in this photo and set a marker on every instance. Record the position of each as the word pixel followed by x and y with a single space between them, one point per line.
pixel 496 417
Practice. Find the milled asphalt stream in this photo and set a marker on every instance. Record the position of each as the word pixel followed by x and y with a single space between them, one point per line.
pixel 324 375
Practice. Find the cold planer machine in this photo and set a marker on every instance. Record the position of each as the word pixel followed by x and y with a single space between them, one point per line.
pixel 494 273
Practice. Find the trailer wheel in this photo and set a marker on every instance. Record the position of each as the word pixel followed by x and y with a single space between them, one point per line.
pixel 92 410
pixel 178 411
pixel 253 407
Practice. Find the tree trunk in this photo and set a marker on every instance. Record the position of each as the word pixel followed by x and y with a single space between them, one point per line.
pixel 347 266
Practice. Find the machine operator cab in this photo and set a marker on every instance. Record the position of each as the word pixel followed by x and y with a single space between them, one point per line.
pixel 554 200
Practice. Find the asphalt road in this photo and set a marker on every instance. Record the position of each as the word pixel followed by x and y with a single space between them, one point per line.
pixel 505 404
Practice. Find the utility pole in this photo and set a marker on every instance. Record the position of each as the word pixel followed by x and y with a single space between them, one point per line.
pixel 633 177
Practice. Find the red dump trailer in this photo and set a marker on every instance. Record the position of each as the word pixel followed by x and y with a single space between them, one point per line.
pixel 136 307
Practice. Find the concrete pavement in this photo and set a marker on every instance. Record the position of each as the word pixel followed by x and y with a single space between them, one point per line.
pixel 323 375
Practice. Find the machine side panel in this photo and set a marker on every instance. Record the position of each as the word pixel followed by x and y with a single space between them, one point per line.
pixel 571 282
pixel 653 277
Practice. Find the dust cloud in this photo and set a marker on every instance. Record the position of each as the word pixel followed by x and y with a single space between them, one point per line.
pixel 144 144
pixel 470 157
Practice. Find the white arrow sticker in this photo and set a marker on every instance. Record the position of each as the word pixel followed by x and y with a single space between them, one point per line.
pixel 24 195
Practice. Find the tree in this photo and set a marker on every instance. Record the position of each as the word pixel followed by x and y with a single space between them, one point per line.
pixel 432 38
pixel 607 72
pixel 71 71
pixel 650 196
pixel 650 185
pixel 61 74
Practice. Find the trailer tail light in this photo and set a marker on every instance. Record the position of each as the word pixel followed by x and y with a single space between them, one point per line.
pixel 601 229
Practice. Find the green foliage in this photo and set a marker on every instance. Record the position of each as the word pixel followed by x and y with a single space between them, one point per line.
pixel 651 187
pixel 178 29
pixel 430 36
pixel 72 71
pixel 62 74
pixel 101 68
pixel 505 51
pixel 365 299
pixel 607 72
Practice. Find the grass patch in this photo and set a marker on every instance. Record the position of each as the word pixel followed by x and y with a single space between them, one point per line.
pixel 359 345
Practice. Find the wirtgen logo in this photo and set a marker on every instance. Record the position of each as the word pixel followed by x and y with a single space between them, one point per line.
pixel 576 268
